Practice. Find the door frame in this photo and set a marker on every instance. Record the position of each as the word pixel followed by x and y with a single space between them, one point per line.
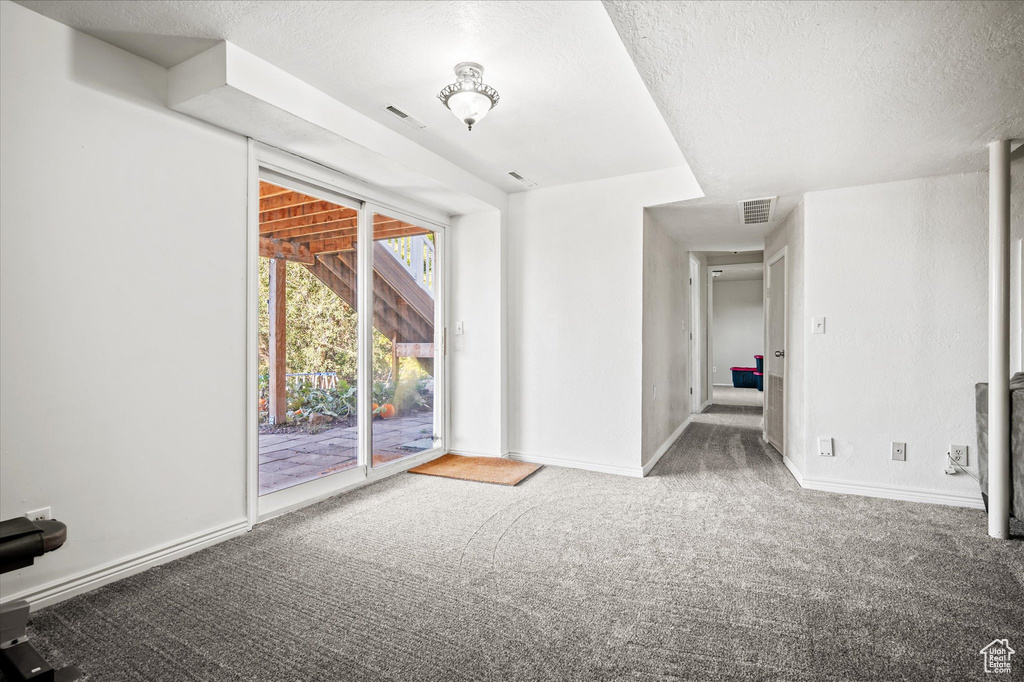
pixel 782 253
pixel 711 322
pixel 696 382
pixel 262 157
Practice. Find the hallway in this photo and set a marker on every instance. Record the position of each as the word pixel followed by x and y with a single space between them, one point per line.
pixel 717 565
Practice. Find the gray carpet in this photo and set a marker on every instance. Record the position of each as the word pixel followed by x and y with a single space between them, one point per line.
pixel 717 566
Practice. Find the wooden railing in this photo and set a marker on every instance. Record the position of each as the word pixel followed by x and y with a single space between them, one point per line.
pixel 416 254
pixel 316 379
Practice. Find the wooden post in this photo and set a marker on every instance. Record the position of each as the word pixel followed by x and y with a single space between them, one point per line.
pixel 394 358
pixel 278 392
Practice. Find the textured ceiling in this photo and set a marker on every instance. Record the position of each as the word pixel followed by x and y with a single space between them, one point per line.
pixel 780 98
pixel 573 106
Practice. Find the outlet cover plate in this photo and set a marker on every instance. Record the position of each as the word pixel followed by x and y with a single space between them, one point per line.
pixel 39 514
pixel 958 454
pixel 825 447
pixel 899 452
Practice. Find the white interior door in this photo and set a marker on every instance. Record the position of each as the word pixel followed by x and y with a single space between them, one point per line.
pixel 776 356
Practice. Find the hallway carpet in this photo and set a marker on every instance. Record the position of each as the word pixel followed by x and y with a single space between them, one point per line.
pixel 717 566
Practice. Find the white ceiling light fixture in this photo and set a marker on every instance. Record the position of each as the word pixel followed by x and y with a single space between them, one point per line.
pixel 470 99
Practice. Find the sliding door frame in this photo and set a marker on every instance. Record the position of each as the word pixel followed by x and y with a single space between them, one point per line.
pixel 264 161
pixel 441 413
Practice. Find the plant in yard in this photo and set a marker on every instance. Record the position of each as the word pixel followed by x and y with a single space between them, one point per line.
pixel 383 392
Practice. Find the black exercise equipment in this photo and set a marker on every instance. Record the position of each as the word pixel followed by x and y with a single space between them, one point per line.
pixel 21 541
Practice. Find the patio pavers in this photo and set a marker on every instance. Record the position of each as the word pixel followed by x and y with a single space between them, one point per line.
pixel 288 459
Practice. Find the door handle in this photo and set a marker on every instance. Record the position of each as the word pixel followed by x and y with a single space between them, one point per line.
pixel 780 353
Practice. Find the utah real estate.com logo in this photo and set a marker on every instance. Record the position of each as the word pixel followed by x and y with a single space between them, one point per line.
pixel 997 656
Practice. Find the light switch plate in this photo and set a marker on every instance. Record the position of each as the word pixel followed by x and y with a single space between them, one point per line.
pixel 459 329
pixel 817 325
pixel 825 447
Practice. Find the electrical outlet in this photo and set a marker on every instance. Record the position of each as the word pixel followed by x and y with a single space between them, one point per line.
pixel 899 452
pixel 958 454
pixel 39 514
pixel 714 370
pixel 825 447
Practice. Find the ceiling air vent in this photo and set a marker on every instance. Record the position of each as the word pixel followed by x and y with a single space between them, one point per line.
pixel 404 117
pixel 526 181
pixel 757 211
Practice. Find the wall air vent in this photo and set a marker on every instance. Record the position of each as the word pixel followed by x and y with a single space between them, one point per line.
pixel 404 117
pixel 526 181
pixel 757 211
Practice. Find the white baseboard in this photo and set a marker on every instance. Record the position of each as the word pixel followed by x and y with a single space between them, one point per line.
pixel 59 590
pixel 893 493
pixel 474 453
pixel 706 405
pixel 635 472
pixel 665 446
pixel 792 468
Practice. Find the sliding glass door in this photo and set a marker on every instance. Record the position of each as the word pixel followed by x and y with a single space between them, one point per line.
pixel 343 395
pixel 406 333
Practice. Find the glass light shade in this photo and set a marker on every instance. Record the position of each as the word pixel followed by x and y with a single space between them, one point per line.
pixel 469 105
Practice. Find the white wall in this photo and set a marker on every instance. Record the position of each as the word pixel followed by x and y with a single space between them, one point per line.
pixel 122 303
pixel 475 357
pixel 790 235
pixel 575 317
pixel 900 272
pixel 737 325
pixel 742 257
pixel 666 344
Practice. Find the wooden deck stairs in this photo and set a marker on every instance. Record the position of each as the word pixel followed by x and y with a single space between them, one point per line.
pixel 321 236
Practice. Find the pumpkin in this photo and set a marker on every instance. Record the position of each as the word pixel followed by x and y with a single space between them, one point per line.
pixel 388 410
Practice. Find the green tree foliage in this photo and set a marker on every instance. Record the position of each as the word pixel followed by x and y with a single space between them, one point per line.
pixel 321 328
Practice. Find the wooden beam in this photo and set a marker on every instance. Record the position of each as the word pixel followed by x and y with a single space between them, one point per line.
pixel 270 190
pixel 297 211
pixel 319 218
pixel 332 245
pixel 278 347
pixel 394 357
pixel 288 199
pixel 341 228
pixel 313 228
pixel 319 222
pixel 387 267
pixel 390 312
pixel 276 248
pixel 415 350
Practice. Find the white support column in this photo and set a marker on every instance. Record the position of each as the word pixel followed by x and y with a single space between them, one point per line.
pixel 999 340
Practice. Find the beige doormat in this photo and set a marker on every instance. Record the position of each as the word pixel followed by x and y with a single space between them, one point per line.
pixel 483 469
